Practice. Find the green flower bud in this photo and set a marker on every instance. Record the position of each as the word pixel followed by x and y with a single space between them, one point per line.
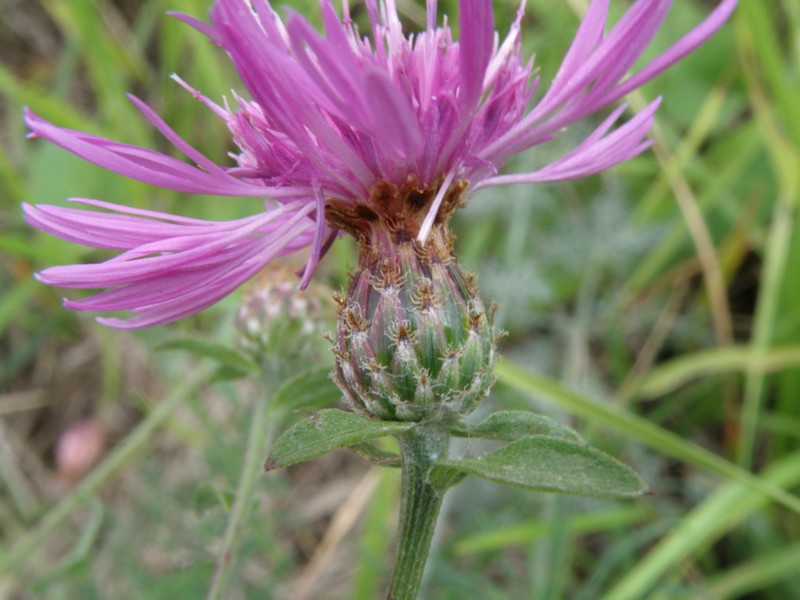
pixel 414 341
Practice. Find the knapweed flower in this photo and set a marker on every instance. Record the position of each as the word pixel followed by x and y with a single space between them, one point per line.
pixel 340 131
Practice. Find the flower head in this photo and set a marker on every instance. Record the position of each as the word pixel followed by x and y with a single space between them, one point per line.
pixel 340 128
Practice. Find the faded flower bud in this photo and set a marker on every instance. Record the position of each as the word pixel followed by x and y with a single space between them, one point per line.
pixel 414 341
pixel 276 321
pixel 78 449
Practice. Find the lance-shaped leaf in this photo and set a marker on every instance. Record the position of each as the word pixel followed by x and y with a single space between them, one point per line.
pixel 377 456
pixel 510 425
pixel 312 389
pixel 232 362
pixel 546 464
pixel 326 431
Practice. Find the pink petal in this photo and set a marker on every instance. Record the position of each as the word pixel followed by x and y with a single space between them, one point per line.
pixel 143 165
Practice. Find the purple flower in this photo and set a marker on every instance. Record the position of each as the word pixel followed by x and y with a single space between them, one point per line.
pixel 332 117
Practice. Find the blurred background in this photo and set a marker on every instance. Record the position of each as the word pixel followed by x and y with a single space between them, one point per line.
pixel 654 308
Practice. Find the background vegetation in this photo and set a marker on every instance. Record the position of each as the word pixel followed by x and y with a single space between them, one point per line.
pixel 653 307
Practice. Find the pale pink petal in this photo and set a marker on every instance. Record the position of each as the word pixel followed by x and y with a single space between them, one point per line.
pixel 596 153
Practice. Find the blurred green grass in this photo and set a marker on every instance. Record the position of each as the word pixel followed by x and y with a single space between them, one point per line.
pixel 654 307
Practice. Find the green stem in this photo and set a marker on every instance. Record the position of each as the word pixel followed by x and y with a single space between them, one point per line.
pixel 419 506
pixel 262 428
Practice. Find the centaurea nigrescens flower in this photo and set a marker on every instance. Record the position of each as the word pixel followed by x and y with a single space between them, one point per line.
pixel 332 122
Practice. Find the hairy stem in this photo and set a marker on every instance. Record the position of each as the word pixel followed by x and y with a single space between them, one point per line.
pixel 419 506
pixel 262 430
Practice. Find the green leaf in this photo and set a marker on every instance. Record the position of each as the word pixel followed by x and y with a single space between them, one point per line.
pixel 684 369
pixel 227 358
pixel 720 513
pixel 524 532
pixel 546 464
pixel 208 497
pixel 638 428
pixel 307 389
pixel 326 431
pixel 14 300
pixel 446 477
pixel 375 455
pixel 510 425
pixel 763 571
pixel 228 373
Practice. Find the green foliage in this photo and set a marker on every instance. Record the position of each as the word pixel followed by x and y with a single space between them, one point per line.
pixel 307 390
pixel 525 532
pixel 545 464
pixel 543 456
pixel 232 363
pixel 326 431
pixel 512 425
pixel 612 329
